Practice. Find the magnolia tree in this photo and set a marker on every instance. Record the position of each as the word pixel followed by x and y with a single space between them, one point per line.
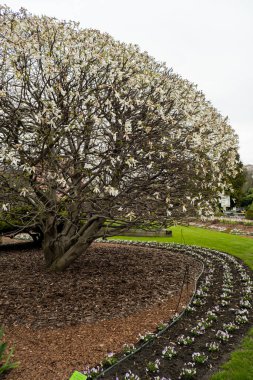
pixel 97 137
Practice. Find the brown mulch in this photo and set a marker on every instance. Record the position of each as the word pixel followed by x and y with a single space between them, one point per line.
pixel 65 321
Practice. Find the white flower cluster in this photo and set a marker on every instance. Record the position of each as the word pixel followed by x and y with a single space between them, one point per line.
pixel 169 351
pixel 131 376
pixel 188 371
pixel 198 357
pixel 185 340
pixel 92 372
pixel 99 121
pixel 223 335
pixel 153 367
pixel 147 337
pixel 128 349
pixel 213 346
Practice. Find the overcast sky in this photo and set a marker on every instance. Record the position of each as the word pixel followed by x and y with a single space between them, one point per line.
pixel 209 42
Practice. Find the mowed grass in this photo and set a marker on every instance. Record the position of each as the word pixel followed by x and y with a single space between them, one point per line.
pixel 238 246
pixel 240 364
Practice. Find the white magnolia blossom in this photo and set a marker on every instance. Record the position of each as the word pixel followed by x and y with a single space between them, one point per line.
pixel 96 189
pixel 27 168
pixel 83 116
pixel 61 182
pixel 5 206
pixel 128 127
pixel 130 215
pixel 24 192
pixel 131 162
pixel 111 190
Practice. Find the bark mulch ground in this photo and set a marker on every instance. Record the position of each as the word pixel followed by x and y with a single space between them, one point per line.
pixel 66 321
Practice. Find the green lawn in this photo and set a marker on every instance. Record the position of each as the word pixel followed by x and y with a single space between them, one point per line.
pixel 239 246
pixel 240 365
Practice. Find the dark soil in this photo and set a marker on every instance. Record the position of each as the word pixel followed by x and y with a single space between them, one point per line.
pixel 170 369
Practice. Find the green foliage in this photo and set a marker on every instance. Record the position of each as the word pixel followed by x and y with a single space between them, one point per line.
pixel 248 172
pixel 247 199
pixel 4 227
pixel 109 361
pixel 248 223
pixel 227 221
pixel 5 359
pixel 8 226
pixel 232 222
pixel 17 217
pixel 249 212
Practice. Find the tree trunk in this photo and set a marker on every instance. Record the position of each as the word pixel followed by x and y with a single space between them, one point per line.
pixel 60 250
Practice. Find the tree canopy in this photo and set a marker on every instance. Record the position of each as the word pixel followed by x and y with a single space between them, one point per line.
pixel 97 136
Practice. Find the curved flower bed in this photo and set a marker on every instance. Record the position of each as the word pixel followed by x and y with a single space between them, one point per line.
pixel 219 312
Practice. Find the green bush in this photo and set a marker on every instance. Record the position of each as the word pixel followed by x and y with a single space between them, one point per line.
pixel 4 227
pixel 18 216
pixel 249 213
pixel 5 359
pixel 247 199
pixel 248 223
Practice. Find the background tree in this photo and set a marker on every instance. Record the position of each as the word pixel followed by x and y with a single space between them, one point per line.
pixel 247 188
pixel 247 198
pixel 97 137
pixel 248 173
pixel 237 182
